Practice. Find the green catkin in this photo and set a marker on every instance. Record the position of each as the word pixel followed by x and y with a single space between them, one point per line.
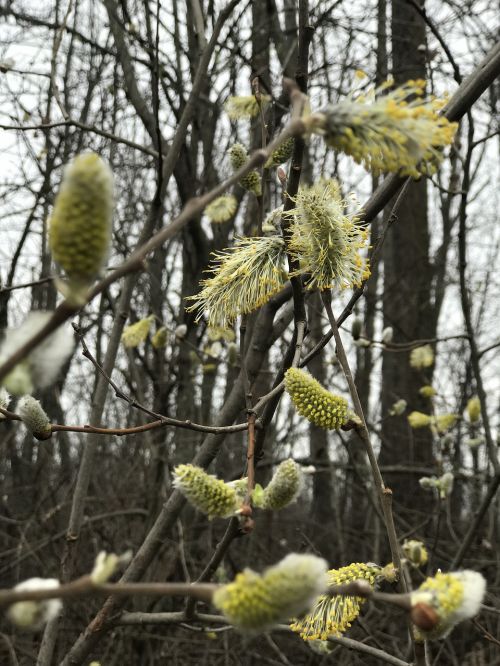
pixel 239 157
pixel 251 182
pixel 207 493
pixel 314 402
pixel 474 409
pixel 160 338
pixel 282 154
pixel 283 487
pixel 80 224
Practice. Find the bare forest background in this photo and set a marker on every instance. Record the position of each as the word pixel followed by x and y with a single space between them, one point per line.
pixel 143 84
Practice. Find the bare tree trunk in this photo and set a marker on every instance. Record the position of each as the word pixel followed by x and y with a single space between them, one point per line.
pixel 407 301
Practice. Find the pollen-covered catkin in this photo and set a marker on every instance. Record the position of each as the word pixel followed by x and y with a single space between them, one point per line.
pixel 80 224
pixel 332 615
pixel 454 597
pixel 415 552
pixel 398 130
pixel 311 400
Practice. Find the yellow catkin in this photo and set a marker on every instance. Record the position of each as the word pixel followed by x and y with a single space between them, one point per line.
pixel 422 357
pixel 415 552
pixel 419 420
pixel 444 422
pixel 245 106
pixel 134 334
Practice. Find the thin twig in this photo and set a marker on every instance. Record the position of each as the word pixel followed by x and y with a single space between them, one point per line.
pixel 53 61
pixel 350 644
pixel 384 493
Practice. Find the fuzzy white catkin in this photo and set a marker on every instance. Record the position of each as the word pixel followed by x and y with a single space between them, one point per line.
pixel 105 566
pixel 180 331
pixel 43 363
pixel 4 400
pixel 34 615
pixel 33 415
pixel 387 335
